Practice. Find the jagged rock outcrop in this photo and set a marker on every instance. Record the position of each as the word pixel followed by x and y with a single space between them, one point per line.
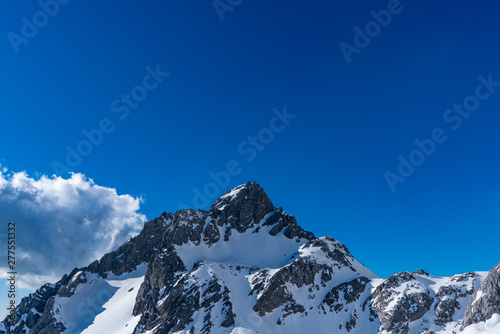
pixel 449 297
pixel 400 300
pixel 137 250
pixel 245 206
pixel 31 312
pixel 321 261
pixel 345 293
pixel 486 299
pixel 421 303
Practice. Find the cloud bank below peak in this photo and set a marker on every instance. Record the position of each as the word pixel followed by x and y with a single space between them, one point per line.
pixel 63 223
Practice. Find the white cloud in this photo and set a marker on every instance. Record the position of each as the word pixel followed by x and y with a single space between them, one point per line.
pixel 63 223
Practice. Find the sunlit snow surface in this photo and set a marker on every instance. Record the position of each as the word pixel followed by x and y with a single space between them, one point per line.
pixel 491 326
pixel 101 305
pixel 248 249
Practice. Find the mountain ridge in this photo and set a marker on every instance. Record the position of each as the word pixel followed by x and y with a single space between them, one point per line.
pixel 246 266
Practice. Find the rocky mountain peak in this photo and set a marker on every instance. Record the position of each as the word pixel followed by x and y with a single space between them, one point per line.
pixel 242 206
pixel 250 193
pixel 245 209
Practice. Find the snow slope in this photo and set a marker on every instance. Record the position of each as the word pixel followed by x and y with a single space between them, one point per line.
pixel 101 305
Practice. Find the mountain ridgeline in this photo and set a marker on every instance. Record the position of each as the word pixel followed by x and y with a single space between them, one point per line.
pixel 247 267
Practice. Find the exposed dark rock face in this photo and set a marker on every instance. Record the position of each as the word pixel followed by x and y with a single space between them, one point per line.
pixel 68 290
pixel 333 250
pixel 345 293
pixel 449 297
pixel 486 299
pixel 342 298
pixel 160 274
pixel 311 273
pixel 34 307
pixel 176 310
pixel 288 225
pixel 397 306
pixel 185 226
pixel 137 250
pixel 242 208
pixel 176 307
pixel 275 294
pixel 47 324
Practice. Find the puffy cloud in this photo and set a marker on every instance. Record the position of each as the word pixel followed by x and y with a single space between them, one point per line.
pixel 63 223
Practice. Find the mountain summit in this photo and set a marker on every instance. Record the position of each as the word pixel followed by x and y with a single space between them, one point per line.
pixel 247 267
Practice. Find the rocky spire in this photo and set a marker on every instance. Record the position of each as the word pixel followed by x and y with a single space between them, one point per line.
pixel 485 301
pixel 242 207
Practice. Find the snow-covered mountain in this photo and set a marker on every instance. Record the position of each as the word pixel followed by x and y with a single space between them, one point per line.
pixel 246 267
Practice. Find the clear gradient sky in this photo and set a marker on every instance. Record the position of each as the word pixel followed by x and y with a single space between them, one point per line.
pixel 326 162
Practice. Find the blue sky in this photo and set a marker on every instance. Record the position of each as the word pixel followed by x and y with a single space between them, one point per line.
pixel 326 163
